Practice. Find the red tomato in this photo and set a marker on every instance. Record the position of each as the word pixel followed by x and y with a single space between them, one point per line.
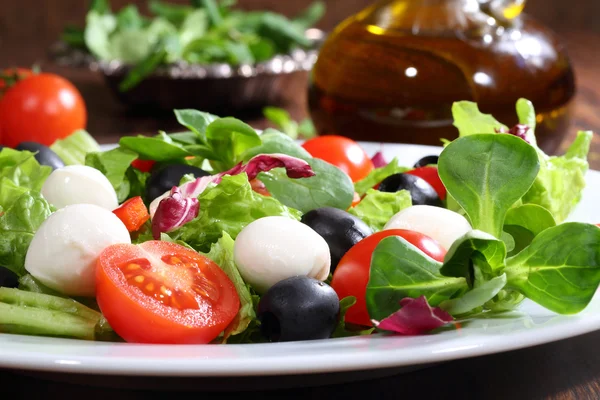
pixel 431 176
pixel 42 108
pixel 342 152
pixel 161 292
pixel 352 273
pixel 133 213
pixel 143 165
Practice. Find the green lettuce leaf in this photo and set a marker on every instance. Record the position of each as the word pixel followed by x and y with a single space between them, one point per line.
pixel 157 148
pixel 377 208
pixel 475 247
pixel 17 227
pixel 221 253
pixel 482 292
pixel 399 270
pixel 470 121
pixel 115 164
pixel 274 141
pixel 22 169
pixel 97 33
pixel 377 175
pixel 475 170
pixel 9 193
pixel 525 222
pixel 527 116
pixel 19 173
pixel 479 258
pixel 73 149
pixel 561 180
pixel 330 187
pixel 560 269
pixel 228 207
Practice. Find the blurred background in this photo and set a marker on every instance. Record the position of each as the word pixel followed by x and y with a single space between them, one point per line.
pixel 29 27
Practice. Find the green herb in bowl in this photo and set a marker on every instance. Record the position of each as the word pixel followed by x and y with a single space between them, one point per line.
pixel 204 32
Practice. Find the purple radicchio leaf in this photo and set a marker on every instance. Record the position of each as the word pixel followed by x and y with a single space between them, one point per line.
pixel 415 317
pixel 378 160
pixel 174 211
pixel 519 130
pixel 295 168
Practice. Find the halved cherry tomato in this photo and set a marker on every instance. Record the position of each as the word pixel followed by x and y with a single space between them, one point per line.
pixel 133 213
pixel 431 176
pixel 352 273
pixel 342 152
pixel 143 165
pixel 162 292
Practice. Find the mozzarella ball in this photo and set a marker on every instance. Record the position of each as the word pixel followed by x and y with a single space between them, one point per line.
pixel 438 223
pixel 272 249
pixel 79 184
pixel 63 252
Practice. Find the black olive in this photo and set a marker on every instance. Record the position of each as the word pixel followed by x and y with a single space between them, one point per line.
pixel 8 278
pixel 341 230
pixel 427 160
pixel 45 156
pixel 421 192
pixel 163 180
pixel 298 308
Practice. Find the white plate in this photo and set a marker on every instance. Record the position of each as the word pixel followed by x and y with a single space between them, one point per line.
pixel 530 325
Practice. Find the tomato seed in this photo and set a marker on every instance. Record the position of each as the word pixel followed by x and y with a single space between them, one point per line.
pixel 139 279
pixel 165 291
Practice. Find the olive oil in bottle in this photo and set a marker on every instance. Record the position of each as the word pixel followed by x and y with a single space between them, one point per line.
pixel 391 72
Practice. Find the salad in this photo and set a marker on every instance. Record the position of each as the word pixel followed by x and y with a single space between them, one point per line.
pixel 203 32
pixel 219 234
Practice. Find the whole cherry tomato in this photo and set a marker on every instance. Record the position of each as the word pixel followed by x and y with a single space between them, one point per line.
pixel 352 273
pixel 41 108
pixel 342 152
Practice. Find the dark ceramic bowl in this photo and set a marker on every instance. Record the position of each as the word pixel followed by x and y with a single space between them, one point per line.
pixel 213 88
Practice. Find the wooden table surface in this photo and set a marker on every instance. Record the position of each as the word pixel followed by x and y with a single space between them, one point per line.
pixel 569 369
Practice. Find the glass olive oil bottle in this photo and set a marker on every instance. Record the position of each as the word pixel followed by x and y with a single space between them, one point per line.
pixel 391 72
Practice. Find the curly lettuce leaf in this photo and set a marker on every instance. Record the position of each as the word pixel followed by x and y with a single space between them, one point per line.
pixel 17 227
pixel 221 253
pixel 73 149
pixel 470 121
pixel 377 175
pixel 561 180
pixel 228 207
pixel 19 173
pixel 377 208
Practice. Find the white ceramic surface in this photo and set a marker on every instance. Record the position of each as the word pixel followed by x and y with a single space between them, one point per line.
pixel 530 325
